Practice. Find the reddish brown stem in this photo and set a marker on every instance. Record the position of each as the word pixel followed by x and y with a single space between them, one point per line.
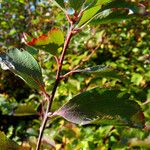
pixel 74 70
pixel 51 98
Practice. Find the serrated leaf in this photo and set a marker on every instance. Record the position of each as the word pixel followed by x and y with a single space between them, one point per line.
pixel 92 11
pixel 25 110
pixel 102 71
pixel 111 11
pixel 52 42
pixel 109 16
pixel 7 144
pixel 24 65
pixel 134 7
pixel 104 106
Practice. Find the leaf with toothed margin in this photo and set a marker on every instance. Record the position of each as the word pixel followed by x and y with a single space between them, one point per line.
pixel 7 144
pixel 23 64
pixel 132 6
pixel 110 16
pixel 91 11
pixel 104 106
pixel 109 10
pixel 51 42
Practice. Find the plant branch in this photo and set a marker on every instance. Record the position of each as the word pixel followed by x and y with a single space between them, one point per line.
pixel 57 81
pixel 74 70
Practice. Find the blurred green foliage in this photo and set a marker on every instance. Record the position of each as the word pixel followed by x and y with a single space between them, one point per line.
pixel 124 46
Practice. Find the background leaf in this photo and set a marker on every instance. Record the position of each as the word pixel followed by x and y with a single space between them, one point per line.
pixel 24 65
pixel 24 110
pixel 6 144
pixel 104 106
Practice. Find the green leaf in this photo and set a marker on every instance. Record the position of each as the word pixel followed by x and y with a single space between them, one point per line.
pixel 52 42
pixel 136 78
pixel 110 11
pixel 88 14
pixel 76 4
pixel 134 7
pixel 102 71
pixel 104 106
pixel 109 16
pixel 24 65
pixel 32 50
pixel 25 110
pixel 60 3
pixel 92 11
pixel 7 144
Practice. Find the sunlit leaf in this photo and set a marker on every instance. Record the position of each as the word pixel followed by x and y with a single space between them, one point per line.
pixel 25 110
pixel 52 42
pixel 88 14
pixel 7 144
pixel 24 65
pixel 110 11
pixel 92 11
pixel 104 106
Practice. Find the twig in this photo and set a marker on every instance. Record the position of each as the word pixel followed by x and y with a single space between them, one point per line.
pixel 69 73
pixel 146 102
pixel 51 98
pixel 74 70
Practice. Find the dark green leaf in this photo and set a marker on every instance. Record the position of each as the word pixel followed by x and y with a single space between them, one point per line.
pixel 7 144
pixel 24 65
pixel 135 8
pixel 110 11
pixel 104 106
pixel 76 4
pixel 60 3
pixel 32 50
pixel 25 110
